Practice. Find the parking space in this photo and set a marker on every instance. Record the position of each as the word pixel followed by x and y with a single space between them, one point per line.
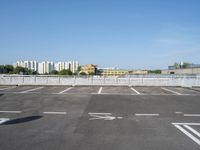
pixel 83 90
pixel 117 90
pixel 197 128
pixel 4 87
pixel 21 89
pixel 114 90
pixel 196 89
pixel 184 91
pixel 98 121
pixel 51 89
pixel 152 90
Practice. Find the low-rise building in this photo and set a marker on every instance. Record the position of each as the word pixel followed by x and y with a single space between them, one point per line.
pixel 89 69
pixel 182 71
pixel 112 72
pixel 136 72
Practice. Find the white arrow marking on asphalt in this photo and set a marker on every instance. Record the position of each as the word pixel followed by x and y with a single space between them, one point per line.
pixel 103 116
pixel 2 120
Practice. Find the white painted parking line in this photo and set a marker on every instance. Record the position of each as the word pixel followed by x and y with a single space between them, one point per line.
pixel 55 113
pixel 147 114
pixel 3 120
pixel 178 112
pixel 191 124
pixel 177 93
pixel 188 134
pixel 7 88
pixel 100 113
pixel 192 130
pixel 30 90
pixel 100 90
pixel 135 90
pixel 65 90
pixel 14 112
pixel 191 115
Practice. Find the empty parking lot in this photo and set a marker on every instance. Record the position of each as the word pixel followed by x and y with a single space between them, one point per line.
pixel 95 117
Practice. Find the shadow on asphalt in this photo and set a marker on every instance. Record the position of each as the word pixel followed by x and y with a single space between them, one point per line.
pixel 21 120
pixel 1 94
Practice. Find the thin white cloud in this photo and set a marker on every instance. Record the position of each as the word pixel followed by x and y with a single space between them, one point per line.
pixel 168 42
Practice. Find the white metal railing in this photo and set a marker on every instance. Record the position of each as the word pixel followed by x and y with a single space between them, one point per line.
pixel 129 80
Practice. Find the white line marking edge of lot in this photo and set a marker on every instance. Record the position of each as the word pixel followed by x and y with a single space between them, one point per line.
pixel 99 113
pixel 29 90
pixel 192 130
pixel 100 90
pixel 192 124
pixel 7 88
pixel 177 93
pixel 54 112
pixel 69 88
pixel 133 89
pixel 147 114
pixel 191 115
pixel 188 134
pixel 14 112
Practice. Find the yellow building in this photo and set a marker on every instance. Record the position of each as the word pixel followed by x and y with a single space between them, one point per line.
pixel 89 69
pixel 113 72
pixel 137 72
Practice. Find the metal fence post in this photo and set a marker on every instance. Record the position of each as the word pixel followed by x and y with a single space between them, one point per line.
pixel 47 79
pixel 23 79
pixel 74 80
pixel 59 80
pixel 92 80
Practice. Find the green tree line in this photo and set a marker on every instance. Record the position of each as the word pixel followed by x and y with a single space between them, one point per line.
pixel 9 69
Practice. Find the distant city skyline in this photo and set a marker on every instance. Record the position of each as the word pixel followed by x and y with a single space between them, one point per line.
pixel 125 34
pixel 47 66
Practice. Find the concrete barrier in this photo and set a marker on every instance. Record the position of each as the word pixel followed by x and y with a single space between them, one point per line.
pixel 133 80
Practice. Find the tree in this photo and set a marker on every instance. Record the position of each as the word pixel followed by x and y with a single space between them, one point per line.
pixel 53 72
pixel 83 73
pixel 79 68
pixel 65 72
pixel 20 70
pixel 186 65
pixel 182 65
pixel 92 73
pixel 34 73
pixel 154 71
pixel 2 69
pixel 7 69
pixel 176 65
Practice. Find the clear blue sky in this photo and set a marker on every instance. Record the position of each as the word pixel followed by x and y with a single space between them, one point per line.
pixel 145 34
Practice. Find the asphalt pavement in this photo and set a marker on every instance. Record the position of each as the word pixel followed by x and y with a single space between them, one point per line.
pixel 99 118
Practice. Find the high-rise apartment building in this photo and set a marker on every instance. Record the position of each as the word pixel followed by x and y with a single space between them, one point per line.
pixel 45 67
pixel 33 65
pixel 71 65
